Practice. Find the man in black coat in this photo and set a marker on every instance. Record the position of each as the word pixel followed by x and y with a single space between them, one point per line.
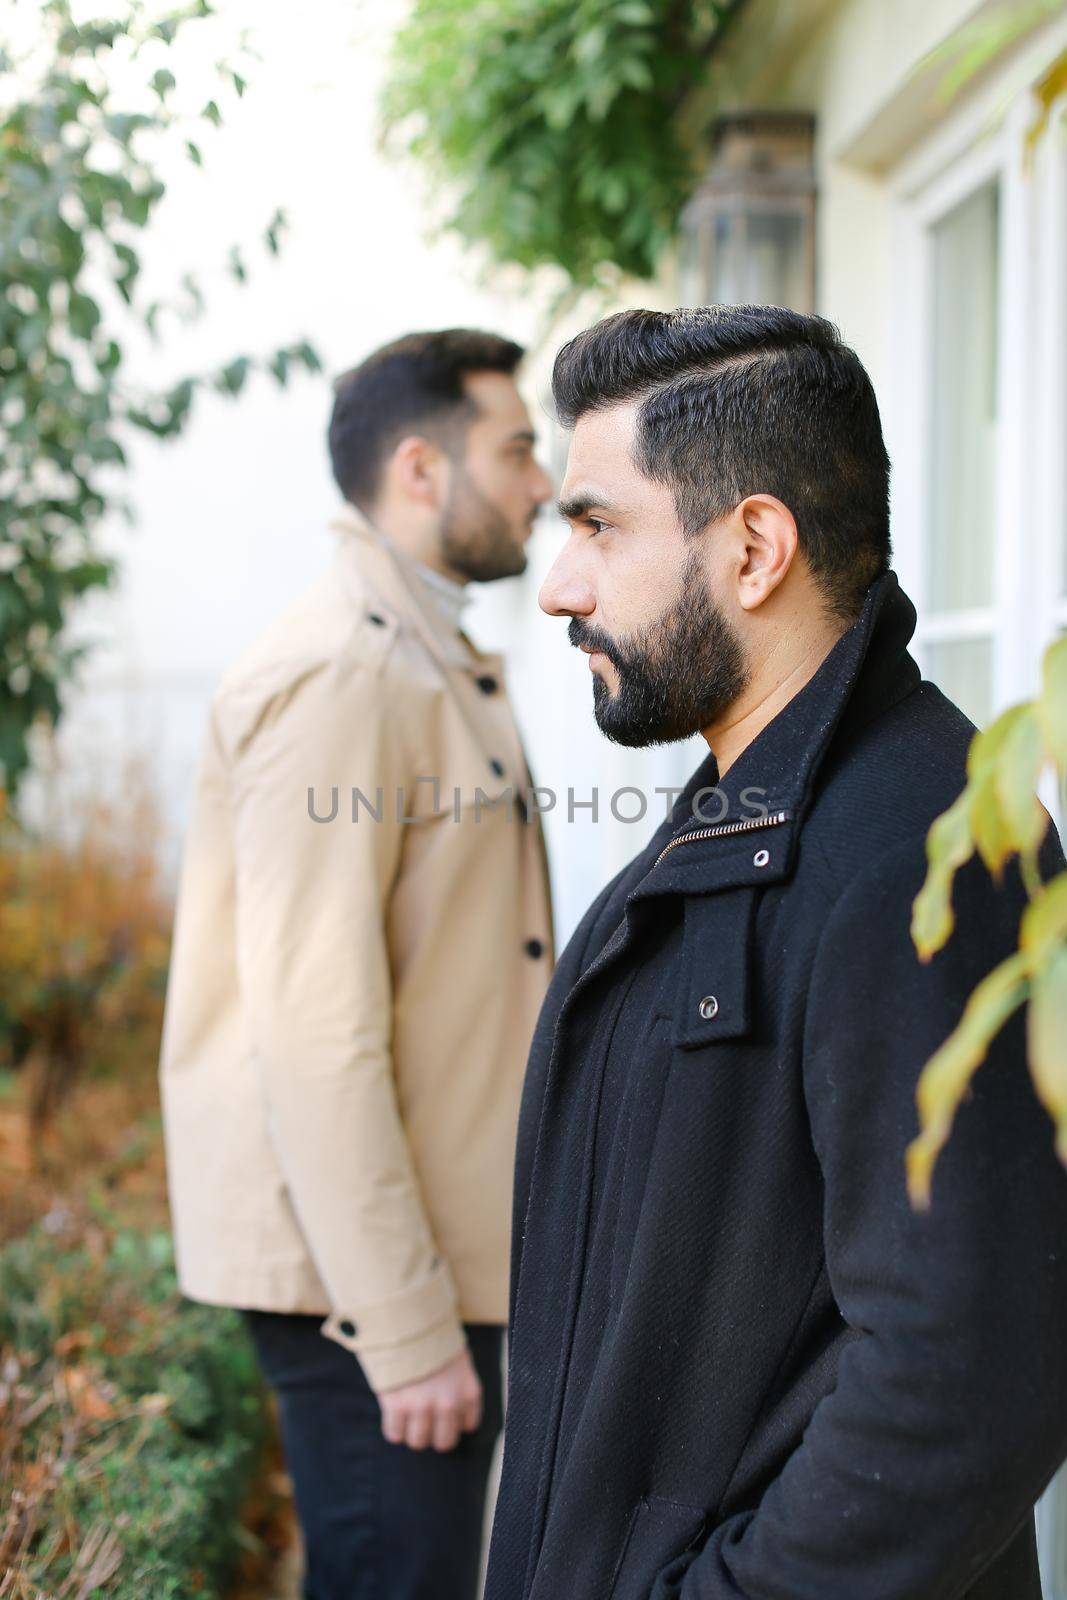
pixel 742 1367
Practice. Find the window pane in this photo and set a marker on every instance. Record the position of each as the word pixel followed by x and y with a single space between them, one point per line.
pixel 963 669
pixel 963 411
pixel 759 259
pixel 777 267
pixel 726 262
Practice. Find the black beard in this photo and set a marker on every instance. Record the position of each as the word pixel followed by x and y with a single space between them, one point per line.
pixel 476 539
pixel 676 677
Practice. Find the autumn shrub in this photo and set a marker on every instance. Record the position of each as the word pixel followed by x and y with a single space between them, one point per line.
pixel 132 1423
pixel 84 934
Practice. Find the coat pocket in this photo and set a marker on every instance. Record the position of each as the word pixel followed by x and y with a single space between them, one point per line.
pixel 659 1531
pixel 713 998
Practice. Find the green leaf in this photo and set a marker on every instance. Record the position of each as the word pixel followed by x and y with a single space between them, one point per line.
pixel 949 845
pixel 162 82
pixel 194 153
pixel 948 1073
pixel 278 223
pixel 84 315
pixel 195 295
pixel 307 355
pixel 636 73
pixel 110 360
pixel 130 265
pixel 590 46
pixel 180 400
pixel 231 379
pixel 107 450
pixel 1047 1042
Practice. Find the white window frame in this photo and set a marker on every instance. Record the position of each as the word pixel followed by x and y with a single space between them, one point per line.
pixel 1030 604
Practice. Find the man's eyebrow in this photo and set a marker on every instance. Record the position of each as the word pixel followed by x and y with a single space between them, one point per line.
pixel 526 435
pixel 573 507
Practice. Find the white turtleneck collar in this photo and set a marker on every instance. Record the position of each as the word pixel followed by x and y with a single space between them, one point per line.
pixel 450 598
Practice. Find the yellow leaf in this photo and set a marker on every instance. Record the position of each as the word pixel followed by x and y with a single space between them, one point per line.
pixel 946 1076
pixel 1044 923
pixel 1047 1041
pixel 1052 704
pixel 948 845
pixel 1017 769
pixel 1047 91
pixel 989 824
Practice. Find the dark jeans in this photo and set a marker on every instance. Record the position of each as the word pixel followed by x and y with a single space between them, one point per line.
pixel 381 1521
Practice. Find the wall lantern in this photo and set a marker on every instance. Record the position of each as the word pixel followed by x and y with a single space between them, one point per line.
pixel 748 233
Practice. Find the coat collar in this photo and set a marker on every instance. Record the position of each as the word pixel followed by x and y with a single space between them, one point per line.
pixel 369 559
pixel 867 670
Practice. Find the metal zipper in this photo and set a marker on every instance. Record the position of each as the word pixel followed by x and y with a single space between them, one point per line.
pixel 746 825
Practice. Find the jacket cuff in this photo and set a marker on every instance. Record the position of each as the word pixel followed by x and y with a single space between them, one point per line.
pixel 405 1338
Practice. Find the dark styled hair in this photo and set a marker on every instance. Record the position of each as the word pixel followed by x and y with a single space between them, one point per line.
pixel 413 385
pixel 738 400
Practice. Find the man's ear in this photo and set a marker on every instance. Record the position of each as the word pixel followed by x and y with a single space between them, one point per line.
pixel 767 534
pixel 420 471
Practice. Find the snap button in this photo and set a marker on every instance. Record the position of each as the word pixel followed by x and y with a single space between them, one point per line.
pixel 761 858
pixel 376 618
pixel 487 683
pixel 496 767
pixel 708 1007
pixel 348 1328
pixel 534 949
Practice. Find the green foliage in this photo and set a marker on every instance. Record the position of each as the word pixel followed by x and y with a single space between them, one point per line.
pixel 999 816
pixel 78 185
pixel 134 1423
pixel 554 123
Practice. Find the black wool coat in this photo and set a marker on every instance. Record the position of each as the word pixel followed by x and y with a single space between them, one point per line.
pixel 741 1366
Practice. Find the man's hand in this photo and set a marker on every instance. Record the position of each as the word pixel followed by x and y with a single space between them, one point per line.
pixel 435 1410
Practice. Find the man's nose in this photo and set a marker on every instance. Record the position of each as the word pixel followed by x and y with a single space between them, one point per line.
pixel 565 593
pixel 543 488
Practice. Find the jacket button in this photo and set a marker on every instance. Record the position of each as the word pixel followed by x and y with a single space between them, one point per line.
pixel 534 949
pixel 708 1007
pixel 348 1328
pixel 496 766
pixel 762 858
pixel 487 683
pixel 376 618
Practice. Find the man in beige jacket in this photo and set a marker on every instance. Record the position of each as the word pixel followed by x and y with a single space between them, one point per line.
pixel 362 945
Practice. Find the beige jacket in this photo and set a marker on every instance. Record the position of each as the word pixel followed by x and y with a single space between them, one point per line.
pixel 351 1001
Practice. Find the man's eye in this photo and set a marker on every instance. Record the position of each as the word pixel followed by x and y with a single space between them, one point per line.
pixel 595 523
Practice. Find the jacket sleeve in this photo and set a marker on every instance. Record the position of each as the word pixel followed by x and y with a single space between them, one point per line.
pixel 314 975
pixel 949 1415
